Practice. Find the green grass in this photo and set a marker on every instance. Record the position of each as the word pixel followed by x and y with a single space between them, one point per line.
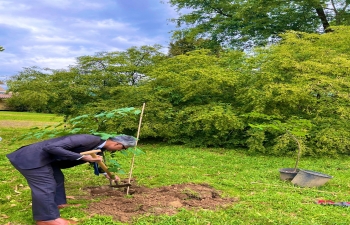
pixel 25 120
pixel 27 116
pixel 254 180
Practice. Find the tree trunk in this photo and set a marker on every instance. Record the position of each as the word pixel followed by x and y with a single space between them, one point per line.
pixel 321 14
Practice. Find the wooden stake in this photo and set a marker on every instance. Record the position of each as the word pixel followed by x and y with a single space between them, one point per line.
pixel 137 138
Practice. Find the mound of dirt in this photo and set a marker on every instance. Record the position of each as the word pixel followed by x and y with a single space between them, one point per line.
pixel 154 201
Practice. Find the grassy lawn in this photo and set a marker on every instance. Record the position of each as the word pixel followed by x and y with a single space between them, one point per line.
pixel 254 180
pixel 26 119
pixel 28 116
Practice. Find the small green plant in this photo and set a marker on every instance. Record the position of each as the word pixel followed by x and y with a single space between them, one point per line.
pixel 115 166
pixel 299 149
pixel 297 129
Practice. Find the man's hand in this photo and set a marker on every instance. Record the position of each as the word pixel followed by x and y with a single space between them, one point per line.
pixel 89 158
pixel 116 178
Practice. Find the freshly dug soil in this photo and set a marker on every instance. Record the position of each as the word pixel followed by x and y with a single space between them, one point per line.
pixel 154 201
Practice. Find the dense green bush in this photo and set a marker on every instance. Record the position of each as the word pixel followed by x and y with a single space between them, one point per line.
pixel 306 76
pixel 300 86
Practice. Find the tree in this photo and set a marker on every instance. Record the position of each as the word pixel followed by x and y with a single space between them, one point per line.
pixel 121 67
pixel 31 90
pixel 93 79
pixel 184 45
pixel 35 101
pixel 301 84
pixel 64 91
pixel 243 24
pixel 304 78
pixel 189 98
pixel 1 49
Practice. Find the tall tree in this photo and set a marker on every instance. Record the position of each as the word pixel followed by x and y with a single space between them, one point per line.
pixel 241 23
pixel 304 77
pixel 55 91
pixel 121 67
pixel 94 78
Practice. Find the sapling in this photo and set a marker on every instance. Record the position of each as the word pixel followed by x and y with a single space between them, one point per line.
pixel 295 128
pixel 299 150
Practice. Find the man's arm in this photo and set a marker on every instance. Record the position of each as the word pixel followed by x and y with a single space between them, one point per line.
pixel 69 147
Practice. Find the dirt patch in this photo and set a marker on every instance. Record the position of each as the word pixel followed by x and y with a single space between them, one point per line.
pixel 154 201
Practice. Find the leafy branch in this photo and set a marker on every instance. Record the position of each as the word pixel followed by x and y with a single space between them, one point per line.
pixel 115 166
pixel 101 124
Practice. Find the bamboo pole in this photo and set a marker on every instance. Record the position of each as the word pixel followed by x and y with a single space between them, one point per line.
pixel 137 138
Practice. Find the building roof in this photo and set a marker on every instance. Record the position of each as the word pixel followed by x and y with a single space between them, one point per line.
pixel 2 90
pixel 2 96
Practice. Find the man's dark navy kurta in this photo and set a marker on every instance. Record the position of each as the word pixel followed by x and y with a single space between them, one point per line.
pixel 41 163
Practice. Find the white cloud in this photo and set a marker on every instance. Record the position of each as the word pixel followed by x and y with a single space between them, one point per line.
pixel 52 62
pixel 56 50
pixel 90 4
pixel 121 39
pixel 8 59
pixel 15 64
pixel 102 24
pixel 52 33
pixel 32 24
pixel 75 5
pixel 42 38
pixel 57 3
pixel 136 40
pixel 8 6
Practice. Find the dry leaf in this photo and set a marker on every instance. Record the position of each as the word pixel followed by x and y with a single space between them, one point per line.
pixel 74 219
pixel 16 188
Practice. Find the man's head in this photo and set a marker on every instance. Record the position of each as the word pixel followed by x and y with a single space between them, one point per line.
pixel 119 142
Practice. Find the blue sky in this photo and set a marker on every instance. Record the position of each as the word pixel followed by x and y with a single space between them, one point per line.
pixel 52 33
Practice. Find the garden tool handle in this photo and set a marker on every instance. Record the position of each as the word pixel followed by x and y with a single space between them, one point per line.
pixel 89 152
pixel 100 163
